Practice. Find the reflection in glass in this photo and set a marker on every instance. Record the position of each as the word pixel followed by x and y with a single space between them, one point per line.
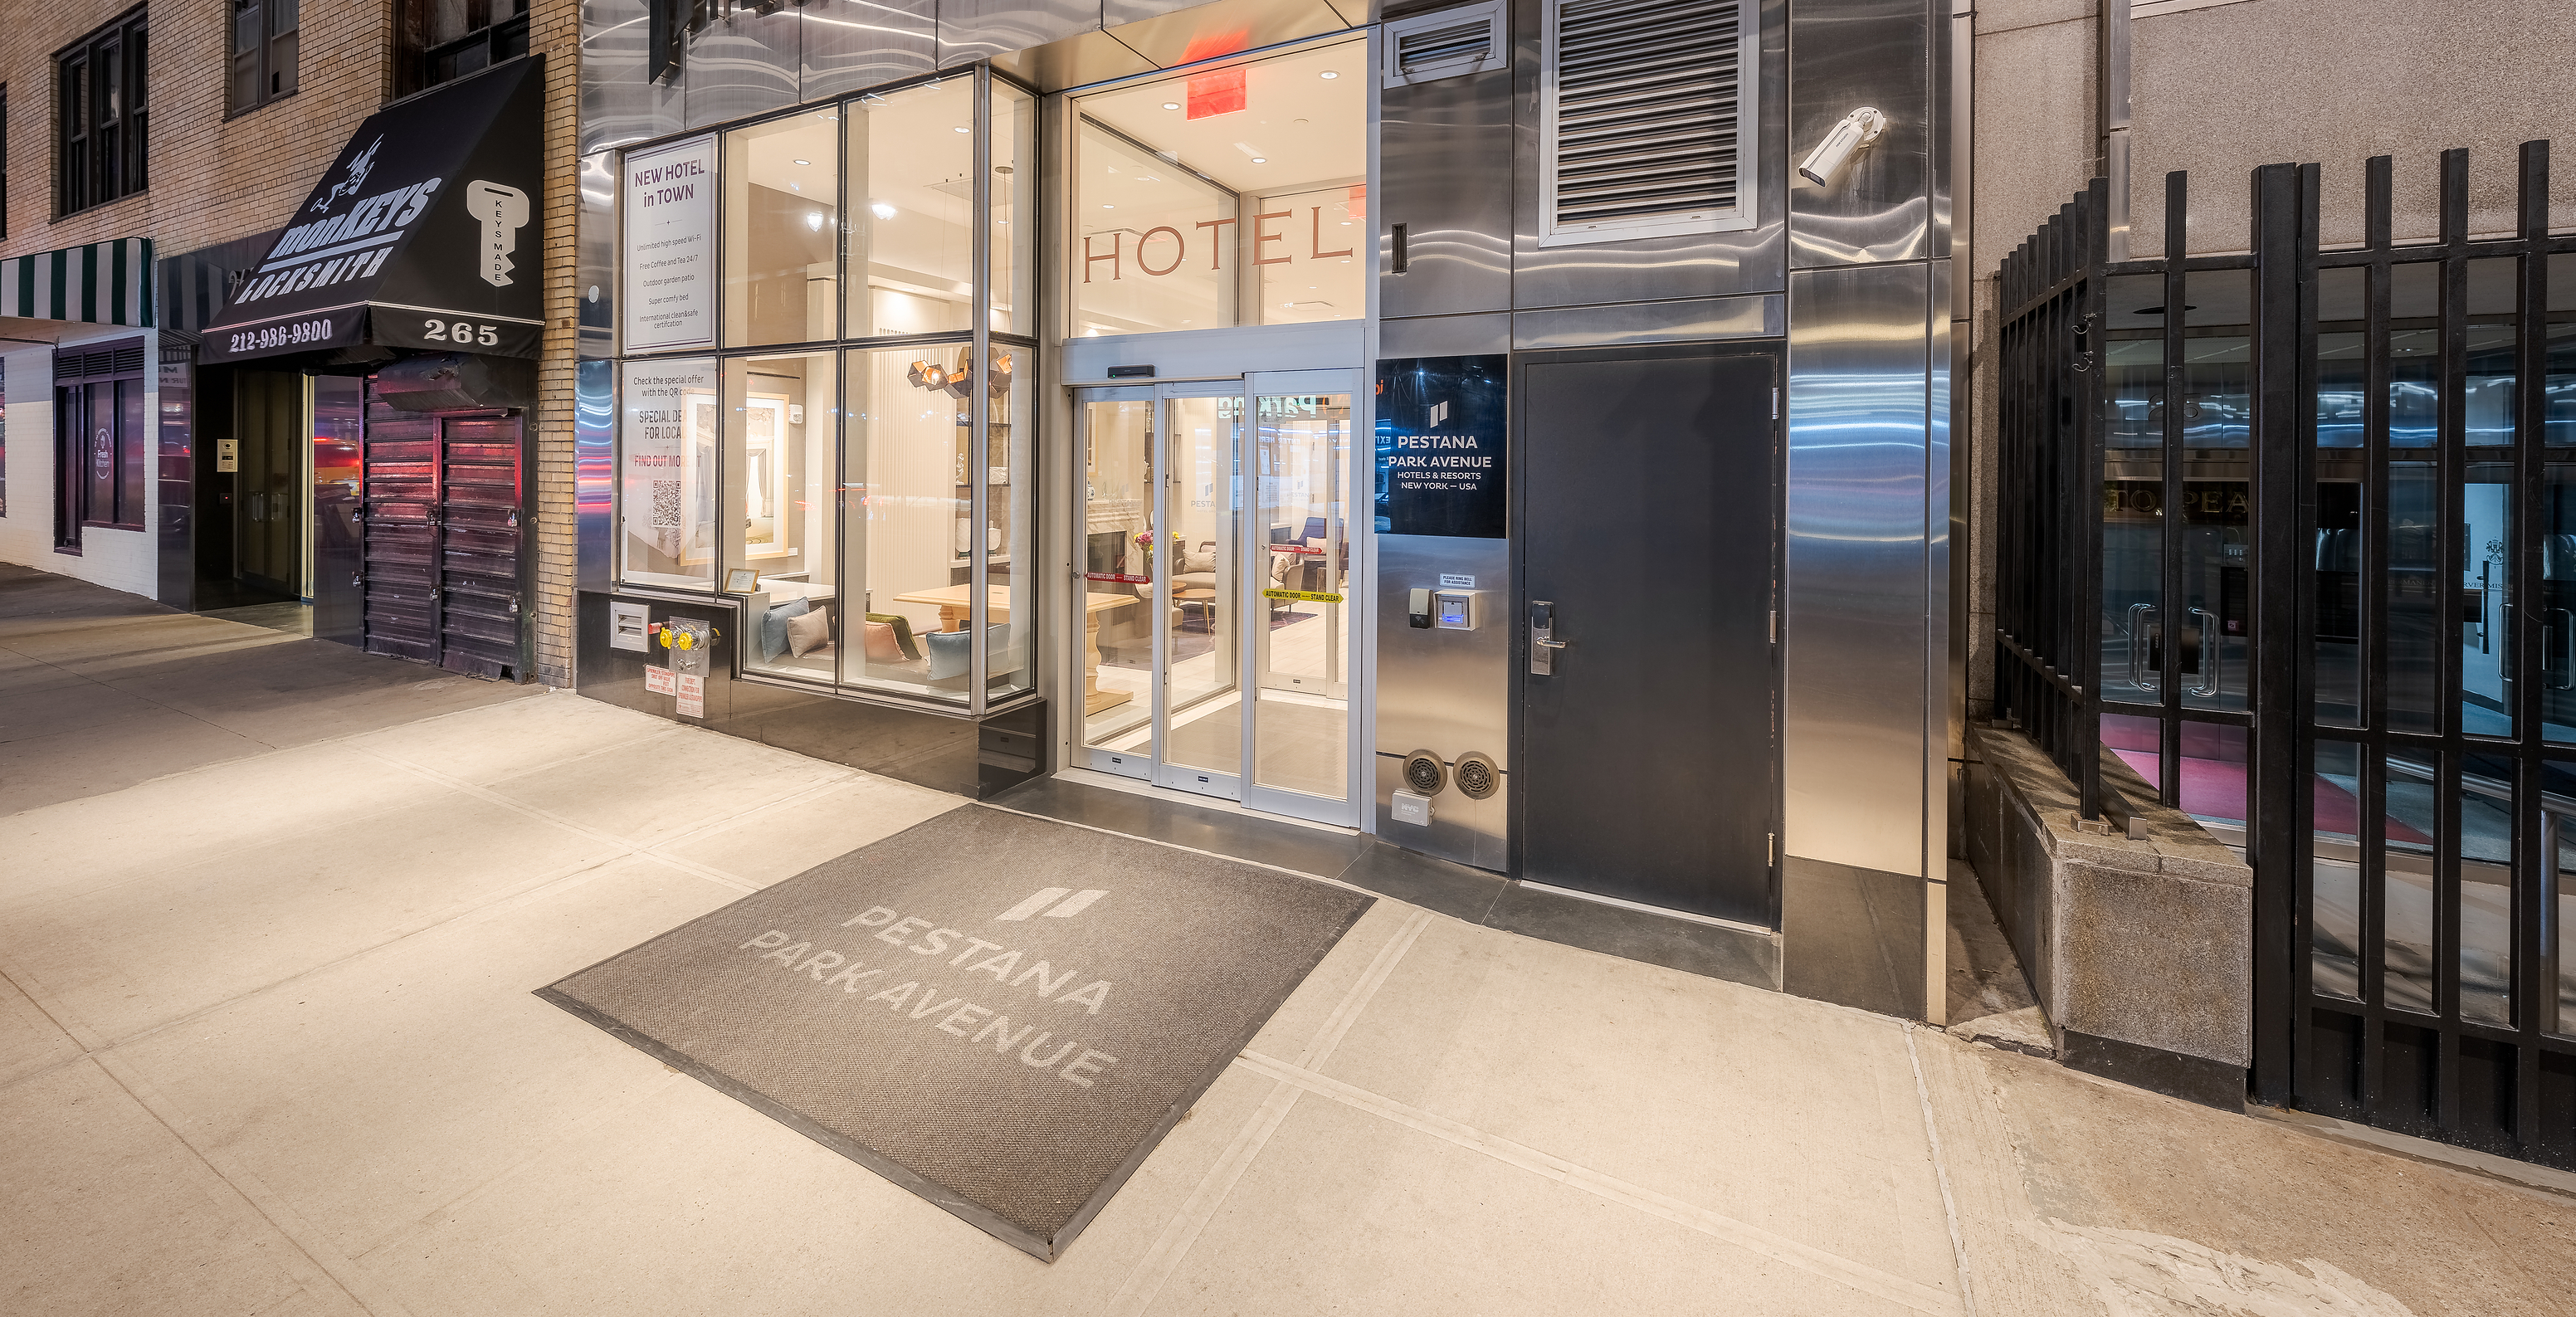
pixel 666 460
pixel 2137 741
pixel 1010 551
pixel 782 229
pixel 2212 773
pixel 1227 196
pixel 1015 210
pixel 2334 849
pixel 912 203
pixel 2343 380
pixel 2412 603
pixel 778 458
pixel 2132 582
pixel 2415 355
pixel 905 521
pixel 1202 612
pixel 2486 600
pixel 2558 855
pixel 2488 413
pixel 2558 405
pixel 1301 720
pixel 2486 889
pixel 2558 603
pixel 1118 576
pixel 2406 892
pixel 2214 618
pixel 2218 400
pixel 2338 567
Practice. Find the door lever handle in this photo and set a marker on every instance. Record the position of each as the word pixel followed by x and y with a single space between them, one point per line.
pixel 1551 644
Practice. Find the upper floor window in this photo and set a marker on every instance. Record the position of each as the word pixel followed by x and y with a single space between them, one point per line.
pixel 444 40
pixel 100 116
pixel 263 50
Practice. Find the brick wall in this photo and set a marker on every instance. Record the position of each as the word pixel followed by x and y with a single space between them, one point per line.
pixel 554 26
pixel 211 178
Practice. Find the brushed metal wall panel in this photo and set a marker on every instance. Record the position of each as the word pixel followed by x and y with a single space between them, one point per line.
pixel 1445 173
pixel 1444 691
pixel 970 30
pixel 1758 316
pixel 1076 61
pixel 617 105
pixel 1445 336
pixel 852 45
pixel 1846 55
pixel 744 65
pixel 1854 631
pixel 594 230
pixel 1943 702
pixel 1752 260
pixel 594 461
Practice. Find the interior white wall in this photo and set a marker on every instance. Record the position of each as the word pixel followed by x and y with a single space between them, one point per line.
pixel 125 560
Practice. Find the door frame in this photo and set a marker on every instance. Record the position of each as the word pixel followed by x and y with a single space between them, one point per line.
pixel 1247 575
pixel 1773 350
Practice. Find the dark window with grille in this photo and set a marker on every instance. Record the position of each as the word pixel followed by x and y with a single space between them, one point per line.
pixel 444 40
pixel 100 449
pixel 100 114
pixel 263 52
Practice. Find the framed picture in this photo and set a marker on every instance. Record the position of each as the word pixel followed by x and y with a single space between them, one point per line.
pixel 741 580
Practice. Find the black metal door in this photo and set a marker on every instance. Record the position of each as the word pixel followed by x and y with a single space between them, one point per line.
pixel 1648 539
pixel 444 536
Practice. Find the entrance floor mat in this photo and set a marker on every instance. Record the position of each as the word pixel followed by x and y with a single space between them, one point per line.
pixel 1003 1014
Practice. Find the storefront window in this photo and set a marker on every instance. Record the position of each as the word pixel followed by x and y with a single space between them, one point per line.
pixel 666 473
pixel 1229 196
pixel 908 534
pixel 1015 209
pixel 912 204
pixel 781 230
pixel 778 530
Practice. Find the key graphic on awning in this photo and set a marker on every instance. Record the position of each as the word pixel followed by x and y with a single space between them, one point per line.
pixel 1070 906
pixel 503 211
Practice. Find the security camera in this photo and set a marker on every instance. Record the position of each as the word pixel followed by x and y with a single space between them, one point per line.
pixel 1851 136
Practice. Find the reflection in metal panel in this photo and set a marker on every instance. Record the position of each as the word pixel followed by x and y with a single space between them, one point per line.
pixel 594 460
pixel 1445 164
pixel 1853 683
pixel 744 64
pixel 617 104
pixel 1444 691
pixel 1445 336
pixel 1651 322
pixel 595 255
pixel 851 45
pixel 987 29
pixel 1851 54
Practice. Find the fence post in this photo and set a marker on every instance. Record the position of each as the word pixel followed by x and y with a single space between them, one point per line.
pixel 2284 244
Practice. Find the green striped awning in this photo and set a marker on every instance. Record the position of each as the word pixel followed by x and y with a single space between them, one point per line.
pixel 99 283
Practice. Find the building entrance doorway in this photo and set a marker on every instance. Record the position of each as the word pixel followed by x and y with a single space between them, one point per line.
pixel 1216 556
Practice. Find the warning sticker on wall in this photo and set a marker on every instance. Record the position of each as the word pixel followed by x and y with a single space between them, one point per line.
pixel 1309 596
pixel 658 681
pixel 693 696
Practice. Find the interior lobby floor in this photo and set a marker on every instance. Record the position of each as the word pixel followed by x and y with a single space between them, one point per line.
pixel 274 913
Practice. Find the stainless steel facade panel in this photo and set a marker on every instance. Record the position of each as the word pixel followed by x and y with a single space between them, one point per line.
pixel 1751 260
pixel 970 30
pixel 746 64
pixel 594 433
pixel 594 234
pixel 1077 61
pixel 852 45
pixel 1759 316
pixel 1445 169
pixel 617 105
pixel 1942 732
pixel 1843 56
pixel 1444 691
pixel 1855 635
pixel 1445 336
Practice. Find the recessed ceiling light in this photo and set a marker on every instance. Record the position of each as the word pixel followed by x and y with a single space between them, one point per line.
pixel 881 210
pixel 1330 74
pixel 1106 206
pixel 1171 105
pixel 965 130
pixel 1261 160
pixel 804 162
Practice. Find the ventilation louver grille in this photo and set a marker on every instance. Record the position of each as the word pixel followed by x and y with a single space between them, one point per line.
pixel 110 362
pixel 1648 118
pixel 1448 44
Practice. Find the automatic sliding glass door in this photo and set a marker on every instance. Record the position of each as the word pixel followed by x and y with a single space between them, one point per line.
pixel 1216 560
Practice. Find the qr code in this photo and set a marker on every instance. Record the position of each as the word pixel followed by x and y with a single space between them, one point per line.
pixel 666 503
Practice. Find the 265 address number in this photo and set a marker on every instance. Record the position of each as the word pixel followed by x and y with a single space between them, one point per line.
pixel 464 333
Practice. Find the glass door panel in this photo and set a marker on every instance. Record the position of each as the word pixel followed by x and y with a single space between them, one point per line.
pixel 1197 593
pixel 1117 550
pixel 1301 646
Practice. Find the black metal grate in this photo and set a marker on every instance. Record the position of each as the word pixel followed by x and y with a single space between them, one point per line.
pixel 1643 121
pixel 2294 532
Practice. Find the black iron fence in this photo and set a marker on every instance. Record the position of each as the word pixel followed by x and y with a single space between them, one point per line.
pixel 2293 533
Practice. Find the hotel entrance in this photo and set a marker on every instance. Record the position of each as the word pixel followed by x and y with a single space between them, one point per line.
pixel 1215 554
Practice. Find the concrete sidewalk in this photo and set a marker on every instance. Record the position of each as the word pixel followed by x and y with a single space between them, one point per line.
pixel 272 916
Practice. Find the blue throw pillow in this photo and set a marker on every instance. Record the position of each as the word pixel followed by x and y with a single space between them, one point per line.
pixel 773 627
pixel 950 655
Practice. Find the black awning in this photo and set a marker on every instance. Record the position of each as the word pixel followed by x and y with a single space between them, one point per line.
pixel 428 232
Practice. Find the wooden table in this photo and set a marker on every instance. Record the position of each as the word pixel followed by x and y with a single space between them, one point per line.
pixel 954 602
